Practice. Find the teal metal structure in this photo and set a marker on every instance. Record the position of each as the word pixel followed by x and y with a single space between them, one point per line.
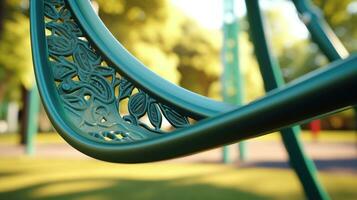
pixel 232 81
pixel 32 113
pixel 273 79
pixel 320 31
pixel 84 75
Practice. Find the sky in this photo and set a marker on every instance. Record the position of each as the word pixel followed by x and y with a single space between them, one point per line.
pixel 209 13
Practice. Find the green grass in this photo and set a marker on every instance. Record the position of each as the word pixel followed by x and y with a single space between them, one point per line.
pixel 37 178
pixel 325 136
pixel 23 178
pixel 42 138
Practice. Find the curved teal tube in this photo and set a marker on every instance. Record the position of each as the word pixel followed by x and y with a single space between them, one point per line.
pixel 196 105
pixel 313 95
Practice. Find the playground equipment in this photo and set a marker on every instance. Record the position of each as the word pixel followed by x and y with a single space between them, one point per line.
pixel 84 75
pixel 232 80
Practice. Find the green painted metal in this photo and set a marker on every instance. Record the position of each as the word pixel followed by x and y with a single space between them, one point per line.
pixel 320 31
pixel 273 79
pixel 195 105
pixel 322 34
pixel 32 119
pixel 313 95
pixel 225 155
pixel 232 78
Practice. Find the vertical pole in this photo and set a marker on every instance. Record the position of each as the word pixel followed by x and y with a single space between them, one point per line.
pixel 272 77
pixel 321 32
pixel 232 78
pixel 33 102
pixel 25 93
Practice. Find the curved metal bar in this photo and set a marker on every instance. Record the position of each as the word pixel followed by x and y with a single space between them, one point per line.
pixel 188 102
pixel 315 94
pixel 320 31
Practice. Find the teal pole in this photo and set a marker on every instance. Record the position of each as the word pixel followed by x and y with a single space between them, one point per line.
pixel 321 32
pixel 32 119
pixel 232 77
pixel 272 77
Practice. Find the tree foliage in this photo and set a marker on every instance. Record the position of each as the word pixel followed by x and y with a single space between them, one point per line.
pixel 175 46
pixel 147 29
pixel 299 56
pixel 342 16
pixel 15 51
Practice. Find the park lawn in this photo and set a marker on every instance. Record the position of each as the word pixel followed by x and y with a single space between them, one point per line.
pixel 29 178
pixel 41 138
pixel 324 136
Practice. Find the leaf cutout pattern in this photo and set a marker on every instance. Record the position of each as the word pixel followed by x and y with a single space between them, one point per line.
pixel 55 2
pixel 60 46
pixel 105 71
pixel 176 119
pixel 101 88
pixel 65 15
pixel 81 57
pixel 138 104
pixel 125 89
pixel 88 86
pixel 75 102
pixel 61 71
pixel 71 26
pixel 50 11
pixel 154 115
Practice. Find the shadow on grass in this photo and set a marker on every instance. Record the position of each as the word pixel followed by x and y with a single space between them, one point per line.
pixel 127 189
pixel 7 174
pixel 349 165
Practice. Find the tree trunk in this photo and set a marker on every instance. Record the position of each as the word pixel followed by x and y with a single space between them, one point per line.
pixel 23 115
pixel 2 15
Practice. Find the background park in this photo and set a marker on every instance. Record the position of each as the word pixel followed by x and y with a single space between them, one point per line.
pixel 182 41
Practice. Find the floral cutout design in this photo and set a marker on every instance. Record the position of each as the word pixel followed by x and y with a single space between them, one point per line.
pixel 93 92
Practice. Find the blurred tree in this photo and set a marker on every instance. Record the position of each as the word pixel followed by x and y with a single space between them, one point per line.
pixel 342 16
pixel 298 55
pixel 148 29
pixel 173 45
pixel 295 53
pixel 16 74
pixel 15 56
pixel 200 66
pixel 2 15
